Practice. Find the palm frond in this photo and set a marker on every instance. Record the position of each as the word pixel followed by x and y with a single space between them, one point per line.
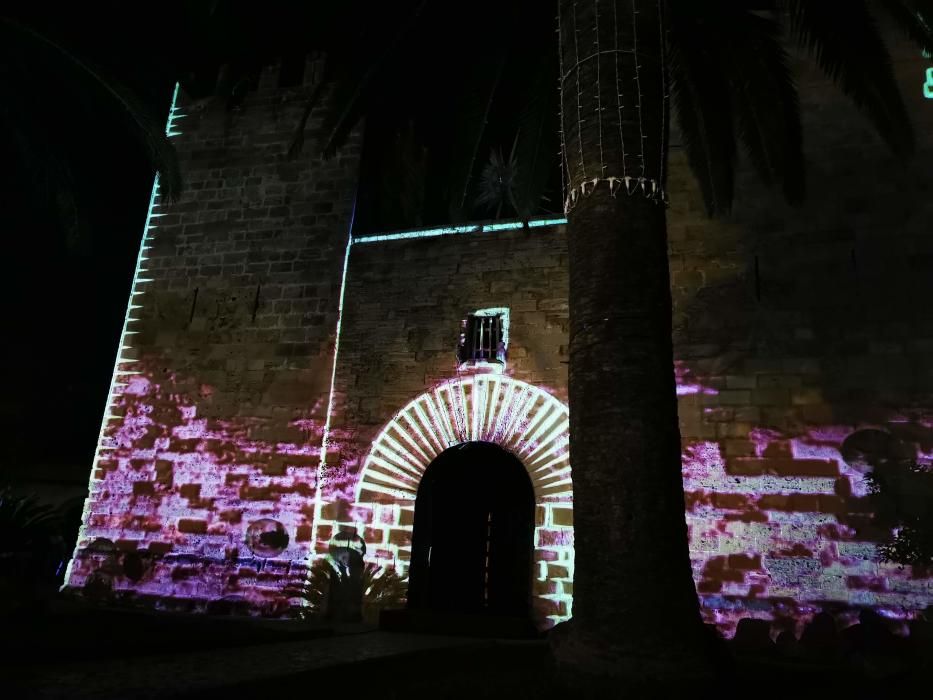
pixel 383 587
pixel 763 97
pixel 924 9
pixel 702 102
pixel 315 588
pixel 24 522
pixel 844 39
pixel 537 139
pixel 324 82
pixel 914 18
pixel 147 130
pixel 400 189
pixel 351 90
pixel 497 181
pixel 39 157
pixel 467 133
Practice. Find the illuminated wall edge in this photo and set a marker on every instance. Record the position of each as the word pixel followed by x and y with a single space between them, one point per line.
pixel 522 428
pixel 455 230
pixel 322 465
pixel 116 384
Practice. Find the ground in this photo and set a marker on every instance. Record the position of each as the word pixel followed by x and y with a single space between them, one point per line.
pixel 109 654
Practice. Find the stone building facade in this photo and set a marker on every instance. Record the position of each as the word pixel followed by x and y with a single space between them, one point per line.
pixel 282 380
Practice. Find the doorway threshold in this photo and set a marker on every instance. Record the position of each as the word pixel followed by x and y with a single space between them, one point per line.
pixel 458 624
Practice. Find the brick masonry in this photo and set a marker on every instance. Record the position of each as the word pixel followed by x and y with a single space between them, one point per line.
pixel 402 315
pixel 227 362
pixel 782 375
pixel 798 332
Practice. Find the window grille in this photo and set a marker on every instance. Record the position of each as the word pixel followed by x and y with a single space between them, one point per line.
pixel 481 339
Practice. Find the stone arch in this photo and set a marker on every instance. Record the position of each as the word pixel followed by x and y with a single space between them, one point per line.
pixel 525 420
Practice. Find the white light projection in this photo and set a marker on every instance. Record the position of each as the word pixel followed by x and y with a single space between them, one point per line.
pixel 523 419
pixel 453 230
pixel 124 365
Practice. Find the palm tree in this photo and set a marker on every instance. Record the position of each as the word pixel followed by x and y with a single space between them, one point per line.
pixel 725 65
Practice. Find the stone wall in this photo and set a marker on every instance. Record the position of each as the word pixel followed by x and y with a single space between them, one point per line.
pixel 218 414
pixel 804 358
pixel 401 323
pixel 799 333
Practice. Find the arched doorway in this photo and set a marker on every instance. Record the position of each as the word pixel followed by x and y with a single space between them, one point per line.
pixel 473 534
pixel 525 421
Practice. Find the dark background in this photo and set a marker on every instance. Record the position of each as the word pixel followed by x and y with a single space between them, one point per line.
pixel 67 278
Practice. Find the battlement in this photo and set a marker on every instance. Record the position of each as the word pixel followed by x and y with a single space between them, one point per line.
pixel 264 111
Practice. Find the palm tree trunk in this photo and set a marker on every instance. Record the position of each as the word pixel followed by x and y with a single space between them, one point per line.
pixel 635 609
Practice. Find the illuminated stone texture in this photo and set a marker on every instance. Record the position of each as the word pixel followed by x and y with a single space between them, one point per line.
pixel 793 381
pixel 833 337
pixel 217 417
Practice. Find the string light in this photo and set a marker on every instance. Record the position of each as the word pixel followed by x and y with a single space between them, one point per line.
pixel 599 85
pixel 641 131
pixel 662 50
pixel 576 51
pixel 580 184
pixel 619 98
pixel 565 163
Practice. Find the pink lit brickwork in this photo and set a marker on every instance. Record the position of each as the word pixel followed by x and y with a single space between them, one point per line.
pixel 215 417
pixel 786 530
pixel 181 491
pixel 223 388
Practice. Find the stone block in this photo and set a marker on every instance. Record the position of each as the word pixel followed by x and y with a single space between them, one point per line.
pixel 770 397
pixel 562 517
pixel 143 488
pixel 734 397
pixel 192 526
pixel 734 381
pixel 738 448
pixel 190 491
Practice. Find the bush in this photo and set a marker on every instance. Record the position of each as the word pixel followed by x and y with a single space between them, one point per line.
pixel 381 588
pixel 902 494
pixel 32 549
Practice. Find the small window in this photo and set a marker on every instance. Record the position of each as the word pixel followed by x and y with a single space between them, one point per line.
pixel 482 339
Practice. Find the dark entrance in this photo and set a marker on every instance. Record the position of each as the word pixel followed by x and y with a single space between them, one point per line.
pixel 473 534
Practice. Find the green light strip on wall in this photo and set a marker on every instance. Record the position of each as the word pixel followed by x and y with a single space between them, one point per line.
pixel 451 230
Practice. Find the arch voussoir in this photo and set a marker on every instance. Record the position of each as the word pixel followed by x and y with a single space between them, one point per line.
pixel 519 417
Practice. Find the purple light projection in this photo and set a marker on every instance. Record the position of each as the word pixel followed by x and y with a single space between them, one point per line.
pixel 189 510
pixel 218 513
pixel 778 533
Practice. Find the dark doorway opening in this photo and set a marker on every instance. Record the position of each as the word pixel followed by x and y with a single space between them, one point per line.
pixel 473 534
